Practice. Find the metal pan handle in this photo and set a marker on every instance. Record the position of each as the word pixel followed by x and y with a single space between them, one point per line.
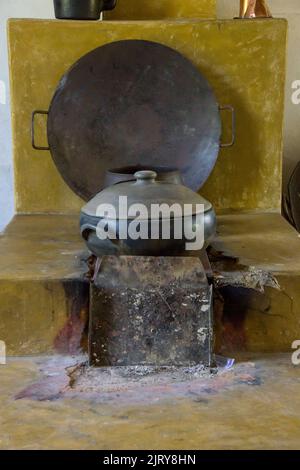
pixel 36 147
pixel 230 108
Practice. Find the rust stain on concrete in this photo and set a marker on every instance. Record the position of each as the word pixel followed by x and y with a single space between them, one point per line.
pixel 72 338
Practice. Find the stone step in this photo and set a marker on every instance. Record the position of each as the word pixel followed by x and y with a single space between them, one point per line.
pixel 43 292
pixel 256 264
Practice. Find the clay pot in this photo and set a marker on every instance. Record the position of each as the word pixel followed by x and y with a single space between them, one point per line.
pixel 146 190
pixel 82 9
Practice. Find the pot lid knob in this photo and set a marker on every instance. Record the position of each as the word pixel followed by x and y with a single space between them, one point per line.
pixel 145 176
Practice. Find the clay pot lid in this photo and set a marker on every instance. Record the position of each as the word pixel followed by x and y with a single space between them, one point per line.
pixel 146 190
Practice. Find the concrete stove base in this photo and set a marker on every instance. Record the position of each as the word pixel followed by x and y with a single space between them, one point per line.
pixel 44 295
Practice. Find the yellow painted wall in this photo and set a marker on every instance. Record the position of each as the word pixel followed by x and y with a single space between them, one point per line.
pixel 289 9
pixel 158 9
pixel 243 60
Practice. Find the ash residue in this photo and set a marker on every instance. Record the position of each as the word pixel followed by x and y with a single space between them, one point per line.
pixel 144 371
pixel 71 377
pixel 89 379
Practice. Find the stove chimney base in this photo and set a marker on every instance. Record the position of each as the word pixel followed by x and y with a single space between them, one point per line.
pixel 154 311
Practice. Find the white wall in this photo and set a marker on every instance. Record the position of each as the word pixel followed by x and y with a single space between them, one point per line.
pixel 12 9
pixel 226 9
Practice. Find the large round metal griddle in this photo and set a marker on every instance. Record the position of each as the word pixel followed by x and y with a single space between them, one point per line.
pixel 133 103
